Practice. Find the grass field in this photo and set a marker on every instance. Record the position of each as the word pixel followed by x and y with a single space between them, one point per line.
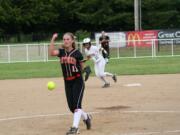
pixel 130 66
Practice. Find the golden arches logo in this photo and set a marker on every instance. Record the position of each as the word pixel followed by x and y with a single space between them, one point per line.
pixel 133 37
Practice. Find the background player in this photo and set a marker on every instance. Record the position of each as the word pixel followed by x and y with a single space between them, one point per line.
pixel 70 60
pixel 104 41
pixel 93 52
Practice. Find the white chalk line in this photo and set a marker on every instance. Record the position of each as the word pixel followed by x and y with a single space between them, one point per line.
pixel 38 116
pixel 32 116
pixel 151 111
pixel 151 133
pixel 66 114
pixel 133 85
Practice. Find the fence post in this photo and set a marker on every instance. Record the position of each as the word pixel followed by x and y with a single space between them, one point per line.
pixel 118 47
pixel 27 53
pixel 172 47
pixel 154 44
pixel 9 54
pixel 47 53
pixel 134 46
pixel 44 52
pixel 152 48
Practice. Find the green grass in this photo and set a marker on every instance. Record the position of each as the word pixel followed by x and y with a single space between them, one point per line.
pixel 130 66
pixel 140 66
pixel 29 70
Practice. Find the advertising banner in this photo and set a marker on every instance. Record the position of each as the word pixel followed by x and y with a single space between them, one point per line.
pixel 165 37
pixel 141 38
pixel 117 39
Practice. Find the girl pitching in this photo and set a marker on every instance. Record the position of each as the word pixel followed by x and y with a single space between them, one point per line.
pixel 70 60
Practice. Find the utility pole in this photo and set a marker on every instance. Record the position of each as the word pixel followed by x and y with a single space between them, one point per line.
pixel 140 16
pixel 137 14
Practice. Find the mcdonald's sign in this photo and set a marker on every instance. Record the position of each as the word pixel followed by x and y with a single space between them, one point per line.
pixel 142 38
pixel 134 38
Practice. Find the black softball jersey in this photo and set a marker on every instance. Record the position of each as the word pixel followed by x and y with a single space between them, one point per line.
pixel 70 63
pixel 74 83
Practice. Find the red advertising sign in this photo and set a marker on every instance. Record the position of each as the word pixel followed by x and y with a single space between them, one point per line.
pixel 141 38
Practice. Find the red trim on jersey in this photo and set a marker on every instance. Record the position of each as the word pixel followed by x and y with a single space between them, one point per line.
pixel 72 77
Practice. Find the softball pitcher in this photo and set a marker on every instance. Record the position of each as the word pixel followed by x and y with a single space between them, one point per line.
pixel 71 64
pixel 93 52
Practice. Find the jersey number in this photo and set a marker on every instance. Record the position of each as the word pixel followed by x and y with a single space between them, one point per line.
pixel 74 69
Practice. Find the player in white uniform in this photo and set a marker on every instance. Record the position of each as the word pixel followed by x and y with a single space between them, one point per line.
pixel 93 52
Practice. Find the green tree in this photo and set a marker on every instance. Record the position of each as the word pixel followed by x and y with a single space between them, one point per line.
pixel 106 14
pixel 160 14
pixel 47 16
pixel 27 15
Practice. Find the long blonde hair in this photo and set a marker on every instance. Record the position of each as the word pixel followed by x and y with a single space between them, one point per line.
pixel 73 38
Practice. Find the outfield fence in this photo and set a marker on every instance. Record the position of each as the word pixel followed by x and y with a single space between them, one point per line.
pixel 13 53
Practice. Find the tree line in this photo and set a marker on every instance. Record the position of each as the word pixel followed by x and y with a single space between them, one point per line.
pixel 47 16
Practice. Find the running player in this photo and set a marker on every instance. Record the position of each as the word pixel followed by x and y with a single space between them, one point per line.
pixel 93 52
pixel 71 64
pixel 104 41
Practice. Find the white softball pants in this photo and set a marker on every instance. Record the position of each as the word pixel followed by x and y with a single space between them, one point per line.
pixel 99 68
